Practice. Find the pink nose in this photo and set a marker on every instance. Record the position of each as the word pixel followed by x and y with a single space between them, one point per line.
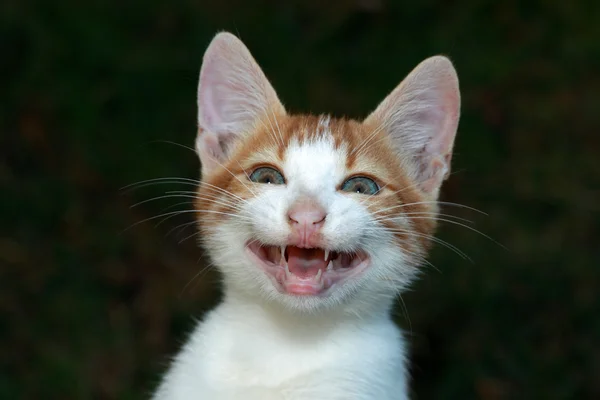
pixel 305 220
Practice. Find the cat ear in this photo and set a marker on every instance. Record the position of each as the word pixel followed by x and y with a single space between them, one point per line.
pixel 421 116
pixel 233 95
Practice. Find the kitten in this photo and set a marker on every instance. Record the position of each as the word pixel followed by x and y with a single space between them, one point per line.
pixel 316 224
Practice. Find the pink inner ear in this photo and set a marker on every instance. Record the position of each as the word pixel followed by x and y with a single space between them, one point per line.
pixel 209 150
pixel 433 174
pixel 435 162
pixel 223 102
pixel 443 120
pixel 207 102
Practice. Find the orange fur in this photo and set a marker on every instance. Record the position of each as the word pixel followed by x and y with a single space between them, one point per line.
pixel 267 144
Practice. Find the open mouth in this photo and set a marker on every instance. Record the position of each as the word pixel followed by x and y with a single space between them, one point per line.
pixel 304 271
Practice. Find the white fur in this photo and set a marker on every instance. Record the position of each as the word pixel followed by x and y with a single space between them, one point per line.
pixel 261 344
pixel 246 351
pixel 315 170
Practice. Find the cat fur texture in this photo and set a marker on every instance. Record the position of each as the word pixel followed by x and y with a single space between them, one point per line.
pixel 316 224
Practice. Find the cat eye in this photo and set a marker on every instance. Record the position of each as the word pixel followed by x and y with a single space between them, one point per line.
pixel 267 175
pixel 361 184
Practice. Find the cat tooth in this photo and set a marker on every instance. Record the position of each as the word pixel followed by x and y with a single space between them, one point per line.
pixel 282 255
pixel 326 255
pixel 318 278
pixel 330 265
pixel 288 274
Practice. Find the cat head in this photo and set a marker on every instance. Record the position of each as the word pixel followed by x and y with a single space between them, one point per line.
pixel 314 211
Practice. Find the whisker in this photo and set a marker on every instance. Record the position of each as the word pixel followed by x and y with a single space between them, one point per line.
pixel 276 124
pixel 202 271
pixel 175 194
pixel 375 131
pixel 173 213
pixel 434 239
pixel 176 205
pixel 189 237
pixel 160 197
pixel 439 241
pixel 464 226
pixel 366 198
pixel 173 179
pixel 266 111
pixel 182 227
pixel 173 143
pixel 375 142
pixel 405 309
pixel 432 202
pixel 243 169
pixel 270 130
pixel 235 176
pixel 210 198
pixel 165 219
pixel 215 194
pixel 446 203
pixel 224 191
pixel 380 199
pixel 391 218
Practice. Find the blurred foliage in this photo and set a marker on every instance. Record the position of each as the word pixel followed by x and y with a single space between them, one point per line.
pixel 90 92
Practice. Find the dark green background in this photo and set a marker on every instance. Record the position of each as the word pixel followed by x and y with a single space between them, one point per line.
pixel 90 310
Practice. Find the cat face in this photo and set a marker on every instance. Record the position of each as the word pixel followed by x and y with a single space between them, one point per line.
pixel 313 211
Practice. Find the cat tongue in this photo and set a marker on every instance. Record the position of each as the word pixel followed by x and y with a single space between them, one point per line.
pixel 305 263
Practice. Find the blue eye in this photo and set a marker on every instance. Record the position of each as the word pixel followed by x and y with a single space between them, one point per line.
pixel 267 175
pixel 360 184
